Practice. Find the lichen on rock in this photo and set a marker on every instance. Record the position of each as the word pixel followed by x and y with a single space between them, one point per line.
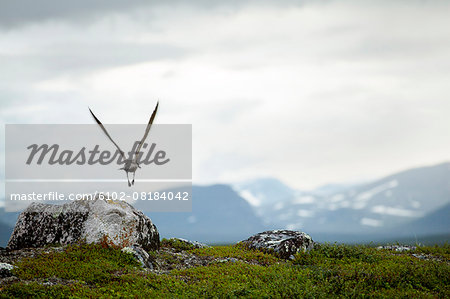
pixel 115 223
pixel 283 243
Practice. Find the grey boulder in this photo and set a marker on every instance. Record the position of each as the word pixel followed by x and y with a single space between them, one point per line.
pixel 399 248
pixel 283 243
pixel 193 244
pixel 5 270
pixel 107 221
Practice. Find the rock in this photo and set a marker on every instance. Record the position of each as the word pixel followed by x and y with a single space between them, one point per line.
pixel 420 256
pixel 5 270
pixel 192 244
pixel 141 255
pixel 228 260
pixel 284 243
pixel 94 221
pixel 398 248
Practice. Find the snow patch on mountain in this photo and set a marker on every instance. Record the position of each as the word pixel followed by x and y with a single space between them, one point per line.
pixel 415 204
pixel 305 213
pixel 363 198
pixel 337 197
pixel 294 226
pixel 278 206
pixel 385 210
pixel 367 195
pixel 306 199
pixel 344 204
pixel 249 197
pixel 371 222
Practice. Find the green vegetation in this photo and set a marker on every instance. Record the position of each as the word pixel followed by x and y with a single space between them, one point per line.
pixel 238 251
pixel 87 263
pixel 234 271
pixel 176 244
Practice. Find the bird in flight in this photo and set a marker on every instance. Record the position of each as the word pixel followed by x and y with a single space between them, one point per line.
pixel 131 164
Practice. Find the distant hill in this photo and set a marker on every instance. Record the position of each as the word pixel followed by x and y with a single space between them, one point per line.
pixel 8 218
pixel 428 240
pixel 7 223
pixel 219 215
pixel 437 222
pixel 5 233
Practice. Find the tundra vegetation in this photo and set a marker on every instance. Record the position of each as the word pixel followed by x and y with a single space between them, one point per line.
pixel 181 271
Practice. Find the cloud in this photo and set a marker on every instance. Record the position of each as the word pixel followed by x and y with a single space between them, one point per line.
pixel 75 57
pixel 310 93
pixel 16 13
pixel 24 12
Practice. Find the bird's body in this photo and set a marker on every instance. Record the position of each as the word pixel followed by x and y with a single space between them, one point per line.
pixel 131 164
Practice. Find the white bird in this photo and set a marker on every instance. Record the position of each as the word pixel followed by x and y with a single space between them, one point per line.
pixel 131 164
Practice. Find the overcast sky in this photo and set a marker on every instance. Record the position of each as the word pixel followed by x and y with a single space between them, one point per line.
pixel 310 92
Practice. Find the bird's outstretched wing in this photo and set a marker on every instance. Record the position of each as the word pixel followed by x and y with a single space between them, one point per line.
pixel 149 125
pixel 106 132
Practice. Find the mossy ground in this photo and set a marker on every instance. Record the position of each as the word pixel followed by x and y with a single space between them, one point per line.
pixel 234 271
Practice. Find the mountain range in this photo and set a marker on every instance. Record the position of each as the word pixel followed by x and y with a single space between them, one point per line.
pixel 409 204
